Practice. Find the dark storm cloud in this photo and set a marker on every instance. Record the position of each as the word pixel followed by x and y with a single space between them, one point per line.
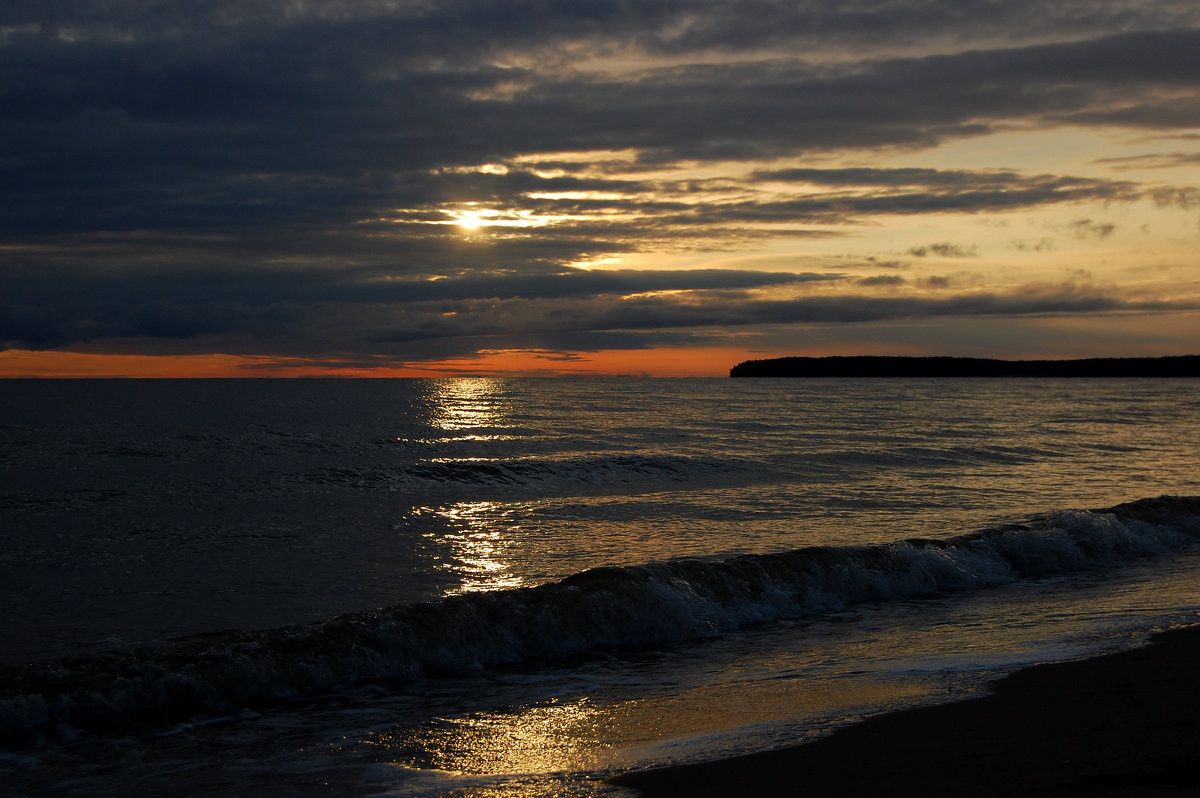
pixel 542 320
pixel 323 122
pixel 182 169
pixel 913 101
pixel 90 306
pixel 472 26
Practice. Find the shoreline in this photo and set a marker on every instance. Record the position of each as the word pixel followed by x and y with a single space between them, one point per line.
pixel 1119 724
pixel 892 366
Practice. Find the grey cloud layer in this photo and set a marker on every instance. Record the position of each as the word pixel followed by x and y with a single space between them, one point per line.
pixel 182 169
pixel 567 310
pixel 296 125
pixel 266 304
pixel 468 27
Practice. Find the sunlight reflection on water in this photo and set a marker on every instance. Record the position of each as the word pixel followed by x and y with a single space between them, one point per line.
pixel 477 537
pixel 479 543
pixel 477 404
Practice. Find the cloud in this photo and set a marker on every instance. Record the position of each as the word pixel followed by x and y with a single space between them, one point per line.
pixel 649 314
pixel 1151 161
pixel 1185 197
pixel 887 264
pixel 183 305
pixel 1043 244
pixel 944 249
pixel 316 119
pixel 1086 228
pixel 285 176
pixel 628 311
pixel 888 280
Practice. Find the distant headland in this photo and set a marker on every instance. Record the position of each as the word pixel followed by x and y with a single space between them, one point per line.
pixel 887 366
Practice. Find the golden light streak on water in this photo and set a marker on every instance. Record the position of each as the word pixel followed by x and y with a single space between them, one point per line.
pixel 479 544
pixel 469 403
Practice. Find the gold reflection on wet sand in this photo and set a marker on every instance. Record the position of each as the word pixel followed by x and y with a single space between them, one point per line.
pixel 582 734
pixel 546 738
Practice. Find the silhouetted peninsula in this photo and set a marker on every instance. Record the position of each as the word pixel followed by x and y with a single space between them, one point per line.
pixel 883 366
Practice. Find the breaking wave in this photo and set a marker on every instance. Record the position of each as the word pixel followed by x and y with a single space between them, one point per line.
pixel 655 603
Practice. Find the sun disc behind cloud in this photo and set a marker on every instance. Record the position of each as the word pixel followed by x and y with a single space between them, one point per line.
pixel 471 220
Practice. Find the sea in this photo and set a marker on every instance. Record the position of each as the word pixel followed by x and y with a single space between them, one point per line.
pixel 521 587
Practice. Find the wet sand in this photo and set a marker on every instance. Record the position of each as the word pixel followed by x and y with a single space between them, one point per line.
pixel 1124 724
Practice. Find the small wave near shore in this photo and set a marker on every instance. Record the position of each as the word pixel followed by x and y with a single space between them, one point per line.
pixel 651 604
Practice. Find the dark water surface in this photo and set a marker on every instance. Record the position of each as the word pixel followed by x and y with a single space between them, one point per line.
pixel 521 586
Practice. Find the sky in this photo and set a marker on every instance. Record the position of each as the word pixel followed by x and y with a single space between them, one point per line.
pixel 555 187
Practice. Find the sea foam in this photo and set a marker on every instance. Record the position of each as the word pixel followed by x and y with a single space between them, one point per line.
pixel 653 603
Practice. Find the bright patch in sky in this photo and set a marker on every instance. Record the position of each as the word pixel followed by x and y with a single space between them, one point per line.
pixel 472 220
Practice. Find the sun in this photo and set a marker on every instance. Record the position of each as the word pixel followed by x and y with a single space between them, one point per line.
pixel 470 220
pixel 473 218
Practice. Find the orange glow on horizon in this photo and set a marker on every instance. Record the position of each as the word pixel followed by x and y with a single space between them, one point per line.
pixel 711 361
pixel 27 363
pixel 662 362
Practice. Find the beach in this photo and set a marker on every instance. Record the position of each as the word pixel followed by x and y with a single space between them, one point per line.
pixel 1124 724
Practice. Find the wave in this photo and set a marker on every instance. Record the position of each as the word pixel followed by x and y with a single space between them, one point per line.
pixel 934 457
pixel 655 603
pixel 597 471
pixel 601 472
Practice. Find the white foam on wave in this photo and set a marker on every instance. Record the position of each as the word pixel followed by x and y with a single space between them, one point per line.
pixel 655 603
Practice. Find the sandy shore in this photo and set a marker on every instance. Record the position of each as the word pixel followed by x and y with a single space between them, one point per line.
pixel 1122 724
